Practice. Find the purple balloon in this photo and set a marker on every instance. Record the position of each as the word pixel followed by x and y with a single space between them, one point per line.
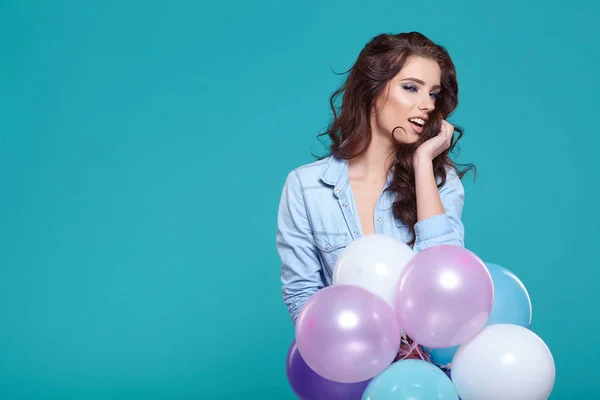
pixel 347 334
pixel 308 385
pixel 444 296
pixel 448 373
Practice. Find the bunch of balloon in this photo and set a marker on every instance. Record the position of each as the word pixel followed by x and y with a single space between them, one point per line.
pixel 349 334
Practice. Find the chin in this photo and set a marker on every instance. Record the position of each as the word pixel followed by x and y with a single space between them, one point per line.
pixel 414 138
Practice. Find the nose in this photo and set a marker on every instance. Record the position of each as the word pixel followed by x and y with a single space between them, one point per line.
pixel 426 104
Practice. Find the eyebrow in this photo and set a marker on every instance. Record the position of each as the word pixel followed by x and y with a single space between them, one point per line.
pixel 421 82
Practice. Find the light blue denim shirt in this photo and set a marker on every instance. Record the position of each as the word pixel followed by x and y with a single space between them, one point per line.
pixel 317 219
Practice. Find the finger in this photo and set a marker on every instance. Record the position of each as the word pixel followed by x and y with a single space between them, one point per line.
pixel 443 128
pixel 449 130
pixel 448 127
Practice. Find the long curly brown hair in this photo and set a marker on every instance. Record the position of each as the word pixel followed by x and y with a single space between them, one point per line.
pixel 350 130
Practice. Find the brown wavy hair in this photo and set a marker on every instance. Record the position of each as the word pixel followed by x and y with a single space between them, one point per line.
pixel 350 130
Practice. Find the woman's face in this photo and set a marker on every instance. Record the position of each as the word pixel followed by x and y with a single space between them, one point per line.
pixel 407 100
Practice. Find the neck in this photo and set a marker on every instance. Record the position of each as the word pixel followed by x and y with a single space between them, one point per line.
pixel 375 163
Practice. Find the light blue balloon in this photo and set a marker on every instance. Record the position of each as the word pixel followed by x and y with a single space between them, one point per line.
pixel 411 380
pixel 511 305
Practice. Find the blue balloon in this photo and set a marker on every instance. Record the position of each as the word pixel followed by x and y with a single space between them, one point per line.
pixel 512 305
pixel 442 356
pixel 411 380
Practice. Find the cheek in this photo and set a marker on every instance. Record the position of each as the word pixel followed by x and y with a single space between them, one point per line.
pixel 396 110
pixel 403 103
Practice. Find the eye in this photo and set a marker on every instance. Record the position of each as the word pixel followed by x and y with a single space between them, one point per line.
pixel 409 88
pixel 436 96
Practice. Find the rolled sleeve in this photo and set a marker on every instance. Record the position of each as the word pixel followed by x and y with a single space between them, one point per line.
pixel 300 264
pixel 445 228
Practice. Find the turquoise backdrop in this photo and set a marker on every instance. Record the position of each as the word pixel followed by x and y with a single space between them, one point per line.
pixel 144 146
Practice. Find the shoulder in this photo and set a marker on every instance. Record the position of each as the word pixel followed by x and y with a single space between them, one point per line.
pixel 453 182
pixel 308 175
pixel 452 175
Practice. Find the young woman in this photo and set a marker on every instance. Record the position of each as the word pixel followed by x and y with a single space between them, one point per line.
pixel 388 170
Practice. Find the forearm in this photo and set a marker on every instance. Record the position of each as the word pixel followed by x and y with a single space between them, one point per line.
pixel 439 210
pixel 300 265
pixel 429 203
pixel 295 298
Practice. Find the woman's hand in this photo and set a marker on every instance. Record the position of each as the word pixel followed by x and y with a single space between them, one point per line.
pixel 438 144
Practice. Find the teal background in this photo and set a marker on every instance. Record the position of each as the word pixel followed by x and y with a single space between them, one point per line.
pixel 144 146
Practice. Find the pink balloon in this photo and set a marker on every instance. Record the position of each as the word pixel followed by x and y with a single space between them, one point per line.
pixel 444 296
pixel 347 334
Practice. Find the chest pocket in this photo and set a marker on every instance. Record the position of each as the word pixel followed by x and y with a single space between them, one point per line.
pixel 331 245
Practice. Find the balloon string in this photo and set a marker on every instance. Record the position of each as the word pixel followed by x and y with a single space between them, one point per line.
pixel 420 353
pixel 426 359
pixel 412 347
pixel 424 356
pixel 405 353
pixel 441 366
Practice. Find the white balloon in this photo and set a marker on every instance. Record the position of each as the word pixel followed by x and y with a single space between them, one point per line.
pixel 503 362
pixel 373 262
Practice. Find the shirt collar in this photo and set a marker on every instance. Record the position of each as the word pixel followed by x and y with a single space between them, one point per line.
pixel 336 175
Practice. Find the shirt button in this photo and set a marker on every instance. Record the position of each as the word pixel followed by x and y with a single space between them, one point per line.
pixel 344 205
pixel 356 233
pixel 378 218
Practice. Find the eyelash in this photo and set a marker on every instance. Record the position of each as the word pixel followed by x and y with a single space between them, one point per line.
pixel 409 87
